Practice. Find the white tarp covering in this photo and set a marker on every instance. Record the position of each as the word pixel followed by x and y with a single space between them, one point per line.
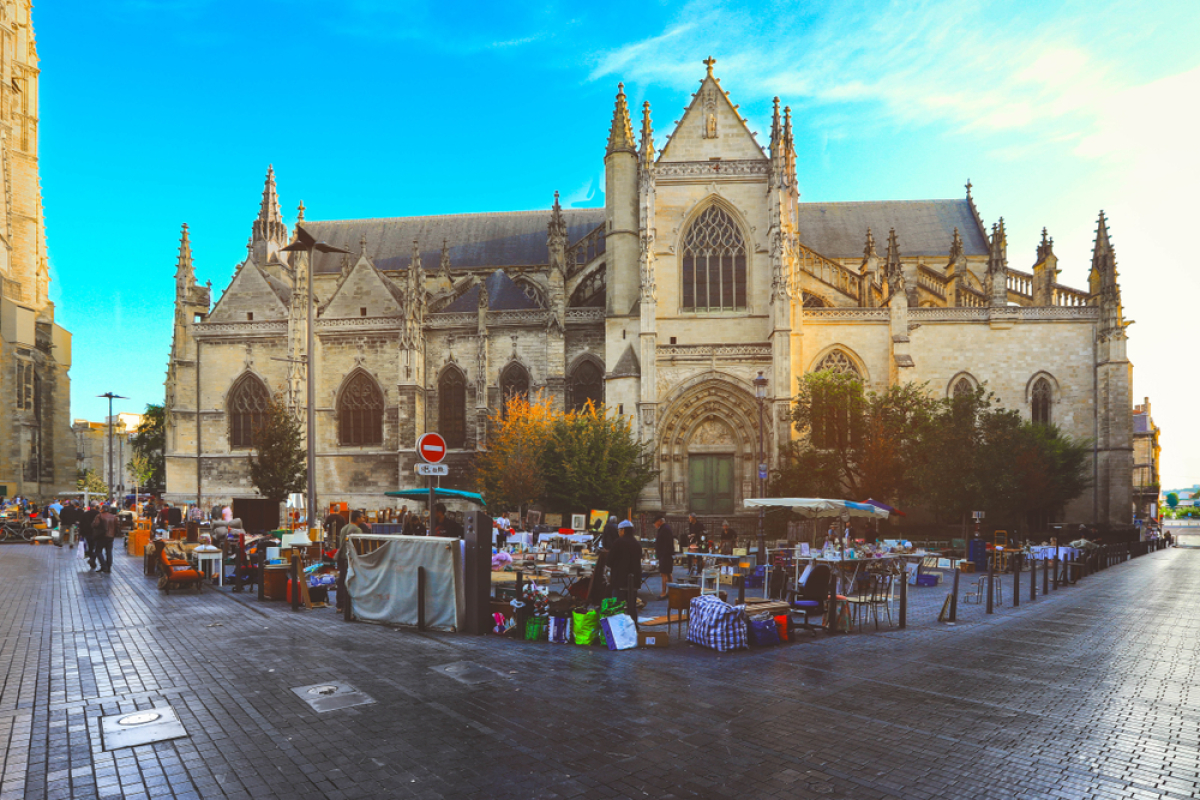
pixel 820 507
pixel 382 584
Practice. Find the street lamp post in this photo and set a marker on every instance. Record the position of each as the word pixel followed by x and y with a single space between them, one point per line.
pixel 760 394
pixel 305 243
pixel 110 397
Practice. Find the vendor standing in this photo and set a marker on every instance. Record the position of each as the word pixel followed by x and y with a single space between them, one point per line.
pixel 444 525
pixel 343 555
pixel 728 539
pixel 625 561
pixel 664 551
pixel 693 536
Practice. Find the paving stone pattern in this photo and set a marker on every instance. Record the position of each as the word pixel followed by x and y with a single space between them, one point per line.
pixel 1090 692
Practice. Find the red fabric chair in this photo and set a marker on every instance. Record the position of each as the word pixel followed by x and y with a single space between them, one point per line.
pixel 173 571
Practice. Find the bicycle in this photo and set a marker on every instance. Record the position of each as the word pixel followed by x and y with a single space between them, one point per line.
pixel 19 529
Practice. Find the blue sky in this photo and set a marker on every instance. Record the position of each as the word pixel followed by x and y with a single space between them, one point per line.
pixel 159 112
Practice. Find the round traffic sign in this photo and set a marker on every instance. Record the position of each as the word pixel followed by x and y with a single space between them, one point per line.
pixel 431 447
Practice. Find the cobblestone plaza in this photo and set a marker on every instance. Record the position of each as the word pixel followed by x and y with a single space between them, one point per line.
pixel 1086 692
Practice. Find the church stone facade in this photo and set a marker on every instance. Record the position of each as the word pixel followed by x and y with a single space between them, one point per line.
pixel 703 270
pixel 37 448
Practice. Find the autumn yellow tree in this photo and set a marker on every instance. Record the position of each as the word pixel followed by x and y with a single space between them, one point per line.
pixel 509 472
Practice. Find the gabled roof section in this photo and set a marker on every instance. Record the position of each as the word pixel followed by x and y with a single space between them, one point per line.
pixel 503 295
pixel 252 291
pixel 711 128
pixel 627 364
pixel 365 287
pixel 501 239
pixel 926 227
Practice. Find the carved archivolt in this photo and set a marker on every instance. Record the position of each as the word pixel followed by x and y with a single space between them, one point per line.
pixel 712 409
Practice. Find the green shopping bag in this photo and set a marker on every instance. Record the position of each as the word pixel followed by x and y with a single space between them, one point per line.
pixel 536 629
pixel 585 626
pixel 611 606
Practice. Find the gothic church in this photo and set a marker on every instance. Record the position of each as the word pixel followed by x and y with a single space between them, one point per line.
pixel 702 271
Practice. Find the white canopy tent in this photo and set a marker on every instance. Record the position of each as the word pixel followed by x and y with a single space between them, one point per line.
pixel 820 507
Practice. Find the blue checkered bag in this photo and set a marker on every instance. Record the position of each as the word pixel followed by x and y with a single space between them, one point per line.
pixel 716 624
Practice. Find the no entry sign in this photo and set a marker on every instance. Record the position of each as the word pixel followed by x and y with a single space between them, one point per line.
pixel 431 447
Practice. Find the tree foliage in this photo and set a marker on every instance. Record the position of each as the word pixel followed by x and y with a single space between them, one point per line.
pixel 949 456
pixel 142 469
pixel 278 461
pixel 1172 499
pixel 149 442
pixel 89 481
pixel 593 459
pixel 509 473
pixel 569 461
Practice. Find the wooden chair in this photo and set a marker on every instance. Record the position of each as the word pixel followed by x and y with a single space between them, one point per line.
pixel 878 594
pixel 175 571
pixel 679 598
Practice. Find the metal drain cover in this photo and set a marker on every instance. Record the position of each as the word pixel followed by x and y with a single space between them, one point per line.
pixel 331 696
pixel 468 672
pixel 142 727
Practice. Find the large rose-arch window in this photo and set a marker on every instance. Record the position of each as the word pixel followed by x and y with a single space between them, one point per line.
pixel 247 408
pixel 714 263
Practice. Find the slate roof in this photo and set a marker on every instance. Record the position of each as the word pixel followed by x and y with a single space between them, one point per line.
pixel 503 239
pixel 503 295
pixel 282 289
pixel 518 238
pixel 923 227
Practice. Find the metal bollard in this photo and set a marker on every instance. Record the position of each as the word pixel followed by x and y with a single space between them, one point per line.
pixel 294 582
pixel 990 584
pixel 1032 579
pixel 741 590
pixel 1054 583
pixel 421 578
pixel 1017 581
pixel 904 600
pixel 262 573
pixel 954 597
pixel 1045 576
pixel 631 599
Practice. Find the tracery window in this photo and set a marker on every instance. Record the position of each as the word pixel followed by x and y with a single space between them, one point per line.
pixel 585 383
pixel 814 301
pixel 514 382
pixel 24 385
pixel 247 408
pixel 837 361
pixel 452 407
pixel 714 263
pixel 1042 397
pixel 963 388
pixel 360 412
pixel 590 291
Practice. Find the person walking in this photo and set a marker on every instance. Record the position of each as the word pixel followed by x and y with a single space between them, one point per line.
pixel 106 533
pixel 86 526
pixel 664 551
pixel 343 555
pixel 611 533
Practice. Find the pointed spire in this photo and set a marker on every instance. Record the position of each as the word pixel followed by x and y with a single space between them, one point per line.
pixel 300 213
pixel 345 264
pixel 557 227
pixel 789 144
pixel 956 246
pixel 268 226
pixel 646 148
pixel 1046 248
pixel 1104 258
pixel 184 271
pixel 894 271
pixel 620 137
pixel 869 249
pixel 968 188
pixel 776 131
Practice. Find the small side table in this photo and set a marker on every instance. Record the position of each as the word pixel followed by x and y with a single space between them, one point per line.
pixel 217 558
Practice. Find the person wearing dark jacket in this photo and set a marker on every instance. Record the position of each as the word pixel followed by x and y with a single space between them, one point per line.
pixel 664 552
pixel 625 561
pixel 86 522
pixel 106 529
pixel 695 532
pixel 610 534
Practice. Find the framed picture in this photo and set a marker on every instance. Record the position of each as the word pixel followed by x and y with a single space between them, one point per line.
pixel 944 563
pixel 579 522
pixel 541 556
pixel 533 518
pixel 554 520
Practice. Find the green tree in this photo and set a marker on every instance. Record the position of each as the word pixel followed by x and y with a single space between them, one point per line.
pixel 277 462
pixel 860 443
pixel 1172 500
pixel 149 442
pixel 142 470
pixel 596 460
pixel 89 481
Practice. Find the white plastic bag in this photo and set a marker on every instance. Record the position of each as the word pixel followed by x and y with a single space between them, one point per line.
pixel 619 632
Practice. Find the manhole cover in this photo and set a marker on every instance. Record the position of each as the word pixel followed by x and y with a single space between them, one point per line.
pixel 468 672
pixel 142 727
pixel 139 719
pixel 331 696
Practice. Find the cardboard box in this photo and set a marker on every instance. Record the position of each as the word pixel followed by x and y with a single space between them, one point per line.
pixel 655 639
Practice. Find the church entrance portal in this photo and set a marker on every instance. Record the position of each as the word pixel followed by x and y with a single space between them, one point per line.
pixel 710 479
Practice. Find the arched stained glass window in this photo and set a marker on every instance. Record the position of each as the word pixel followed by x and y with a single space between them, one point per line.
pixel 514 382
pixel 585 383
pixel 247 408
pixel 837 361
pixel 452 407
pixel 1042 398
pixel 963 387
pixel 714 263
pixel 360 412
